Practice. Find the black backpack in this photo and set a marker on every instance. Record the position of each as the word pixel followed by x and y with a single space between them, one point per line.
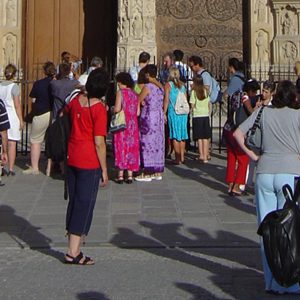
pixel 280 231
pixel 56 138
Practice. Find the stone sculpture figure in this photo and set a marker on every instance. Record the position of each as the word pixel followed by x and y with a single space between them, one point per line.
pixel 290 51
pixel 11 13
pixel 287 24
pixel 262 48
pixel 260 7
pixel 149 30
pixel 9 50
pixel 137 26
pixel 125 28
pixel 122 59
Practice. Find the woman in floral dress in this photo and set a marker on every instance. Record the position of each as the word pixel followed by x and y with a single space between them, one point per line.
pixel 152 128
pixel 126 142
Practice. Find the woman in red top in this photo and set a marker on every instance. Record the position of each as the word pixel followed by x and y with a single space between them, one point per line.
pixel 86 161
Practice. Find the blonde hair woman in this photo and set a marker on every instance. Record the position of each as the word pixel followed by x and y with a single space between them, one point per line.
pixel 10 94
pixel 177 123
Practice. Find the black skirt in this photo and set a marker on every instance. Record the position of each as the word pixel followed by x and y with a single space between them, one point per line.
pixel 201 128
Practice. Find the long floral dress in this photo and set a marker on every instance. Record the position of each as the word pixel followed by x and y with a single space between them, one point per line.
pixel 152 131
pixel 127 142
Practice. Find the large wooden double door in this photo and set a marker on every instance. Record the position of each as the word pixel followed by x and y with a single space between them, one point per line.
pixel 85 28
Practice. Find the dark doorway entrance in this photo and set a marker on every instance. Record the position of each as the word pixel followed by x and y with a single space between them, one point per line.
pixel 100 31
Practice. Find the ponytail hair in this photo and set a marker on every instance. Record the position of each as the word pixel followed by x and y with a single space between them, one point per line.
pixel 199 88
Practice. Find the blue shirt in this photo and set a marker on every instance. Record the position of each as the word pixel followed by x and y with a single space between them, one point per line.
pixel 235 83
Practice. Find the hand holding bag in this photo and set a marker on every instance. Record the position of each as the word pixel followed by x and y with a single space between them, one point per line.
pixel 254 135
pixel 28 118
pixel 280 231
pixel 118 120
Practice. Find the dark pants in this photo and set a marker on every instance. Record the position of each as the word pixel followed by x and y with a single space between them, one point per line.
pixel 83 187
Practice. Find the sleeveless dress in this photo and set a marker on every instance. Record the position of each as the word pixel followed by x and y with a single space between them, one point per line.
pixel 126 142
pixel 177 123
pixel 152 131
pixel 14 132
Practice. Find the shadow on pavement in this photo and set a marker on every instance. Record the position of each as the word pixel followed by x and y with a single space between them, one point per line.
pixel 202 173
pixel 196 291
pixel 22 232
pixel 91 296
pixel 240 204
pixel 212 258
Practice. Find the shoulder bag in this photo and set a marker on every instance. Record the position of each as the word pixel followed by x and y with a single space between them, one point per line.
pixel 118 120
pixel 254 135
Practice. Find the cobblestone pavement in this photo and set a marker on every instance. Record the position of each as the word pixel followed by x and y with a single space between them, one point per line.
pixel 179 238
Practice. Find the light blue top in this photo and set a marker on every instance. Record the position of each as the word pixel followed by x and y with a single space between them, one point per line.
pixel 235 83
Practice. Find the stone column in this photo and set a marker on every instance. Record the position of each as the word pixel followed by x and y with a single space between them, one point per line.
pixel 286 43
pixel 136 32
pixel 10 33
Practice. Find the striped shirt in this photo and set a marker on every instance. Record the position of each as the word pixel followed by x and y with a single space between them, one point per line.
pixel 4 123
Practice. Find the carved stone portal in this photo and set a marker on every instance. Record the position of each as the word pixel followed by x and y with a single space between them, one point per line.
pixel 286 43
pixel 136 28
pixel 10 32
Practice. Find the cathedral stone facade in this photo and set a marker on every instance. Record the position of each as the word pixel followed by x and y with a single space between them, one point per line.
pixel 213 29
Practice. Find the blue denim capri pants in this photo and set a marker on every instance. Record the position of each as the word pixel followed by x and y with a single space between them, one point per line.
pixel 83 185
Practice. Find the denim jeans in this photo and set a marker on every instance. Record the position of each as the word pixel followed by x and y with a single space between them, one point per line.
pixel 83 185
pixel 269 197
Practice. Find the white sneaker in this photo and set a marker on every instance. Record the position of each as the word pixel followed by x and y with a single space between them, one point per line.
pixel 31 171
pixel 156 177
pixel 143 178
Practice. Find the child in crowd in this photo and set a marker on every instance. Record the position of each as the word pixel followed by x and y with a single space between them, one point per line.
pixel 250 96
pixel 199 101
pixel 267 94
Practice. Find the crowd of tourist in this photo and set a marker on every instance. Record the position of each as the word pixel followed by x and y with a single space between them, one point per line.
pixel 155 128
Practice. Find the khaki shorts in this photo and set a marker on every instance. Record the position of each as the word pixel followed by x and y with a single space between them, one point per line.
pixel 39 127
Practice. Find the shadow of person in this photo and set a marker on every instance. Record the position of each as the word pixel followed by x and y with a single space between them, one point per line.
pixel 91 296
pixel 195 252
pixel 202 173
pixel 196 291
pixel 240 203
pixel 25 234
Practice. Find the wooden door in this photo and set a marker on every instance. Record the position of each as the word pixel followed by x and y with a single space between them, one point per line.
pixel 85 28
pixel 51 27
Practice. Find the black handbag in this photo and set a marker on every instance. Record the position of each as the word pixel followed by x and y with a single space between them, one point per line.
pixel 28 118
pixel 280 231
pixel 254 136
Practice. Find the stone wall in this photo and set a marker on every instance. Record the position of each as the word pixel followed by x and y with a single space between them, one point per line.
pixel 211 29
